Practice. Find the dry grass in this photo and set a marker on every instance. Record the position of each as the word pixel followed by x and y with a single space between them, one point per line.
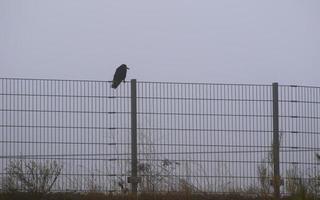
pixel 142 196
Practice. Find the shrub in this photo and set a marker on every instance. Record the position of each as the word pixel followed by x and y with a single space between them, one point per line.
pixel 30 176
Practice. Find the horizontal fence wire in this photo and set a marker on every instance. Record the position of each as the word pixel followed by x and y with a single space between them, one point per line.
pixel 210 138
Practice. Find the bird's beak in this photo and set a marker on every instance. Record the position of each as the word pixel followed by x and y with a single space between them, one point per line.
pixel 128 68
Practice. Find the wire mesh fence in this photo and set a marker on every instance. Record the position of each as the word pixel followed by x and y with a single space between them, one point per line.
pixel 204 138
pixel 83 125
pixel 209 137
pixel 299 108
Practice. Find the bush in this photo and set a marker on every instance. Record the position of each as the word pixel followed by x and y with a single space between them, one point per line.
pixel 300 187
pixel 32 177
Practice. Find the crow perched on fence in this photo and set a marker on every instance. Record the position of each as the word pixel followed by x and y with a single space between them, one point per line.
pixel 119 75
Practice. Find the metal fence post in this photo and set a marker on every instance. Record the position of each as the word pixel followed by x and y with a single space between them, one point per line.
pixel 134 160
pixel 276 143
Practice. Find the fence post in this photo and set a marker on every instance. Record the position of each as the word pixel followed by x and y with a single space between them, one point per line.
pixel 276 143
pixel 134 160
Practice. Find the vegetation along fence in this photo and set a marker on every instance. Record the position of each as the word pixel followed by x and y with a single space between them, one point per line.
pixel 80 136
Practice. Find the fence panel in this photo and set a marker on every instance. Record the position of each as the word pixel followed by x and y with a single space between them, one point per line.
pixel 300 138
pixel 82 125
pixel 203 137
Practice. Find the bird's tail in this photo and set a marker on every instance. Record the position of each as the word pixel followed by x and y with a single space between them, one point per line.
pixel 115 84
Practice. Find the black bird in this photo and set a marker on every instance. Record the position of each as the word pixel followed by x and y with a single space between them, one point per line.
pixel 119 75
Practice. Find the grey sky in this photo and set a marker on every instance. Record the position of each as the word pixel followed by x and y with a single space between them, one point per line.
pixel 229 41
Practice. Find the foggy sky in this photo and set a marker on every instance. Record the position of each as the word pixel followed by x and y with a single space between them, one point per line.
pixel 230 41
